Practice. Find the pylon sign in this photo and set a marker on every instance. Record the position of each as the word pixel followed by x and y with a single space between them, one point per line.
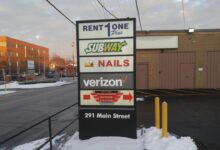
pixel 106 87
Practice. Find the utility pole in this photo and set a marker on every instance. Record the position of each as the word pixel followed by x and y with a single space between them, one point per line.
pixel 39 61
pixel 65 69
pixel 73 45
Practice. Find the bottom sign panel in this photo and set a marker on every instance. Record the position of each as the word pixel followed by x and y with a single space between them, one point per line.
pixel 94 122
pixel 107 97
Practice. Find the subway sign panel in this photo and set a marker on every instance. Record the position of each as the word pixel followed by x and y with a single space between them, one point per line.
pixel 106 86
pixel 106 47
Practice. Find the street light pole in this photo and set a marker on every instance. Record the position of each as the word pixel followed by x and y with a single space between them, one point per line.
pixel 44 67
pixel 9 62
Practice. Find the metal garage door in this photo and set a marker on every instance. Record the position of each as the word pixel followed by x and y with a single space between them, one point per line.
pixel 177 70
pixel 213 69
pixel 142 76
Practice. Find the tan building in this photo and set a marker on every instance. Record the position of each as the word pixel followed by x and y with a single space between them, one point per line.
pixel 178 59
pixel 17 57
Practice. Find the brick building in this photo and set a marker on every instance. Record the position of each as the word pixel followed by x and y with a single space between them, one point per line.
pixel 178 59
pixel 18 57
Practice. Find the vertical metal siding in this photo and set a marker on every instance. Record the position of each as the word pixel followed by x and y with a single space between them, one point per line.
pixel 186 75
pixel 142 76
pixel 170 70
pixel 186 71
pixel 213 69
pixel 188 57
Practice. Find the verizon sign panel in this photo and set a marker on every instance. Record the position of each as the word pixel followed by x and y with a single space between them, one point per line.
pixel 106 65
pixel 107 81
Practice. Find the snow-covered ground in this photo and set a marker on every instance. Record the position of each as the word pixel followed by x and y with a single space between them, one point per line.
pixel 141 99
pixel 32 145
pixel 6 92
pixel 35 144
pixel 15 85
pixel 150 140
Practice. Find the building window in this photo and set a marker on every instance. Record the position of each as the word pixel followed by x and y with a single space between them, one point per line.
pixel 2 54
pixel 20 46
pixel 28 48
pixel 11 45
pixel 3 44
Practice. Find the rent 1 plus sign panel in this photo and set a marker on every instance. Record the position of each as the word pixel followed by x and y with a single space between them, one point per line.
pixel 106 65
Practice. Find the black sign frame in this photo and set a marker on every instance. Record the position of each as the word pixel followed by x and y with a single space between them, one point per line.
pixel 85 133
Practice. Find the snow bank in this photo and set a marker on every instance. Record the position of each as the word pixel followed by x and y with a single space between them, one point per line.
pixel 6 92
pixel 154 141
pixel 15 85
pixel 140 99
pixel 32 145
pixel 102 143
pixel 151 140
pixel 36 144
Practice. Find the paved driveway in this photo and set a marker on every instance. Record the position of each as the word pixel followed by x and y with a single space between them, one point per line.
pixel 197 116
pixel 24 108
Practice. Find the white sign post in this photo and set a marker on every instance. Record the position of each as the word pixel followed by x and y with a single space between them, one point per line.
pixel 30 66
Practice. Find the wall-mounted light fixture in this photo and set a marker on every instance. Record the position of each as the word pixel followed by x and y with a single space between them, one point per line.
pixel 191 30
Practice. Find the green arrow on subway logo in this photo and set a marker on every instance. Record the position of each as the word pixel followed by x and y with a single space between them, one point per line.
pixel 105 47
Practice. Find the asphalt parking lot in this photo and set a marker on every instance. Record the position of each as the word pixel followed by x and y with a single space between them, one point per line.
pixel 194 113
pixel 177 92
